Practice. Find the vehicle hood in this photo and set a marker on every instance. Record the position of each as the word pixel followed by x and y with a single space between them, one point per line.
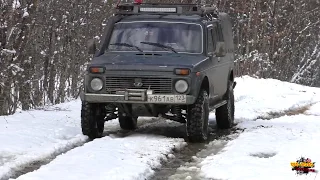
pixel 153 62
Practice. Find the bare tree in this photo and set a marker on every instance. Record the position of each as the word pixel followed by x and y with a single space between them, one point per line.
pixel 43 44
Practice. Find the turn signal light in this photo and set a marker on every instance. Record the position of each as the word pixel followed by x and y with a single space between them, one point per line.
pixel 96 70
pixel 182 71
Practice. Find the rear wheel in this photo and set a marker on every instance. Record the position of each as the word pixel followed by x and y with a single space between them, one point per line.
pixel 197 118
pixel 127 122
pixel 225 113
pixel 92 120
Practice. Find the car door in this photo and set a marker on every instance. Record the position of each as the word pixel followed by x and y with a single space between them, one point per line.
pixel 222 68
pixel 213 71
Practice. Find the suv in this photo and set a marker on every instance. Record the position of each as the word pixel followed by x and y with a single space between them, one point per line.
pixel 170 60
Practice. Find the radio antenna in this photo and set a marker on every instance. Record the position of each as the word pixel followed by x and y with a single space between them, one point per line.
pixel 119 1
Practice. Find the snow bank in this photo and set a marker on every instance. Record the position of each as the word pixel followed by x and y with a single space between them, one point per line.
pixel 131 157
pixel 36 135
pixel 265 150
pixel 314 110
pixel 259 97
pixel 32 135
pixel 266 147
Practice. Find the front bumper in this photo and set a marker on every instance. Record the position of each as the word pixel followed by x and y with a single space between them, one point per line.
pixel 138 96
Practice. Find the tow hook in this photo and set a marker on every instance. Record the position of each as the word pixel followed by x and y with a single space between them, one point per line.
pixel 234 84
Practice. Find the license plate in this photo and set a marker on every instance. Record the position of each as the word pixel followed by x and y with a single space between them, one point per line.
pixel 167 98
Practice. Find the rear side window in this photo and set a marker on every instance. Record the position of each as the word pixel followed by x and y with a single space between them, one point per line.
pixel 210 41
pixel 219 33
pixel 215 34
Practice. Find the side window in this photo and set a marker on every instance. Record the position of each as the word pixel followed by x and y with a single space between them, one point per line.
pixel 210 41
pixel 215 35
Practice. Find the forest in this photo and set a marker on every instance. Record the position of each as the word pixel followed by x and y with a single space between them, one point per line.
pixel 43 44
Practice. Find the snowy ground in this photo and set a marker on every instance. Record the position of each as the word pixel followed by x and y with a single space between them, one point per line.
pixel 32 136
pixel 280 122
pixel 128 158
pixel 266 147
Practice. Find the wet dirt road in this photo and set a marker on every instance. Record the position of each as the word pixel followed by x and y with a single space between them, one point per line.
pixel 184 164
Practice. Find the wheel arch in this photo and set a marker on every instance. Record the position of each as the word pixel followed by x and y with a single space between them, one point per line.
pixel 205 84
pixel 231 75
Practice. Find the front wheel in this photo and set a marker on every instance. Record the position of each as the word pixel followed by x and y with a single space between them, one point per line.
pixel 198 118
pixel 92 120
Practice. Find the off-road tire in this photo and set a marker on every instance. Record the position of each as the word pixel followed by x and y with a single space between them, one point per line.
pixel 128 122
pixel 197 118
pixel 225 113
pixel 92 124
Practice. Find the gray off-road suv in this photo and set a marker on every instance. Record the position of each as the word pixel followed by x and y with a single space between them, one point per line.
pixel 170 60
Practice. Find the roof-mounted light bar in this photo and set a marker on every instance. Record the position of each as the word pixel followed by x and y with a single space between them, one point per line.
pixel 138 7
pixel 138 2
pixel 158 9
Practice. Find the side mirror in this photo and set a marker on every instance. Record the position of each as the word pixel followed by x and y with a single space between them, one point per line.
pixel 220 49
pixel 92 47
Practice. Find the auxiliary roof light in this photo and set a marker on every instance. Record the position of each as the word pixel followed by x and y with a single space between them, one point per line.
pixel 149 9
pixel 138 1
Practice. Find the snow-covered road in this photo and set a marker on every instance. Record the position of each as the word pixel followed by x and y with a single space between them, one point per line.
pixel 275 121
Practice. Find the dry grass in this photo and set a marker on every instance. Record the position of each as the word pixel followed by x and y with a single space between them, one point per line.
pixel 290 112
pixel 300 110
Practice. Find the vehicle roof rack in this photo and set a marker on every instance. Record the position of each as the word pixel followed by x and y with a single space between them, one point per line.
pixel 207 11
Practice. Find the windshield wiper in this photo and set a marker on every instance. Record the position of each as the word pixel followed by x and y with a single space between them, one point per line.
pixel 127 45
pixel 160 45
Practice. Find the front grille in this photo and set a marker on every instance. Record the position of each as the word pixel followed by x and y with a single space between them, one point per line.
pixel 158 85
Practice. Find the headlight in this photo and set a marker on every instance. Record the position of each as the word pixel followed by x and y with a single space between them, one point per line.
pixel 181 86
pixel 96 84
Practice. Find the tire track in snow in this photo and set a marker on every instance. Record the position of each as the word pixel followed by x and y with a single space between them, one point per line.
pixel 111 129
pixel 35 164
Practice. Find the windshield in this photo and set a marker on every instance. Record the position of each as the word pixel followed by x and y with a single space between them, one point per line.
pixel 156 36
